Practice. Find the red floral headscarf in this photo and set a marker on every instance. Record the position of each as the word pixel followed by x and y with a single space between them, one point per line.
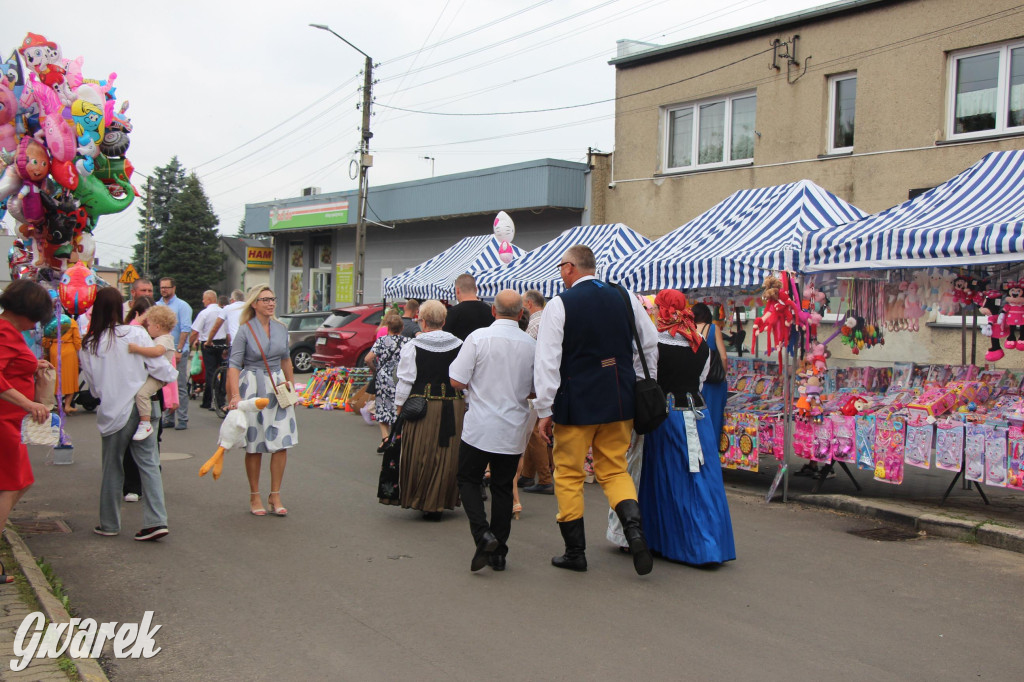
pixel 676 317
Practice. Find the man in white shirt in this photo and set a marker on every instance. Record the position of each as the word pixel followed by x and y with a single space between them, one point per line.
pixel 495 364
pixel 585 373
pixel 228 317
pixel 140 288
pixel 201 327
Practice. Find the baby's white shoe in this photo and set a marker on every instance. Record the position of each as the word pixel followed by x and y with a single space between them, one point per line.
pixel 144 431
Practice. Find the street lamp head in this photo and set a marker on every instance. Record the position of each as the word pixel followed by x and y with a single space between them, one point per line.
pixel 322 27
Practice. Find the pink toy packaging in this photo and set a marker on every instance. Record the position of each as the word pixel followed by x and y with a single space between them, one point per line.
pixel 918 451
pixel 1015 458
pixel 995 457
pixel 822 442
pixel 974 452
pixel 865 441
pixel 949 446
pixel 890 439
pixel 843 438
pixel 934 402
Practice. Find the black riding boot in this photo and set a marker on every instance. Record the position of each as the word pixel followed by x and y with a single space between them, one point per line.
pixel 575 557
pixel 628 512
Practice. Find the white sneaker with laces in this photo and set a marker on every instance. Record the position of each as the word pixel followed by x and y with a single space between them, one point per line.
pixel 144 431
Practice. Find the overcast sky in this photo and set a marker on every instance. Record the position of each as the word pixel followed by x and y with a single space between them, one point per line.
pixel 260 105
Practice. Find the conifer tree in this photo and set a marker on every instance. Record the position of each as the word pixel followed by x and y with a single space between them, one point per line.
pixel 190 243
pixel 166 182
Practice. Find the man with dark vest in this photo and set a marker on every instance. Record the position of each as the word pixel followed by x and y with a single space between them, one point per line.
pixel 584 373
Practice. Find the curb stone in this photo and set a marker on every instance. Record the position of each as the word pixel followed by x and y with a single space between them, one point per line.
pixel 974 529
pixel 89 670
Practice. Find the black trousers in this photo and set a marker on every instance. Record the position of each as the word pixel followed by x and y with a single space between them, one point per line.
pixel 472 463
pixel 211 359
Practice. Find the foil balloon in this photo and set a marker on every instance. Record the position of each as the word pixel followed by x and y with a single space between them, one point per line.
pixel 505 253
pixel 33 166
pixel 8 110
pixel 50 330
pixel 77 289
pixel 504 228
pixel 84 249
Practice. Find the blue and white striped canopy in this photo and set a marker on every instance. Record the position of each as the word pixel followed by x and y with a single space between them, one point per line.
pixel 435 278
pixel 974 218
pixel 538 269
pixel 736 242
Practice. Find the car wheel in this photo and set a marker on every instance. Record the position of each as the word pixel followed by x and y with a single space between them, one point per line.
pixel 361 360
pixel 302 360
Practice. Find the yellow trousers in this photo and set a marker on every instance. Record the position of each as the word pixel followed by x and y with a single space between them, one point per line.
pixel 609 443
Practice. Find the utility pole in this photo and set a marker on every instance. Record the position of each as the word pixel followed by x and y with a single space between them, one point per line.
pixel 365 162
pixel 149 226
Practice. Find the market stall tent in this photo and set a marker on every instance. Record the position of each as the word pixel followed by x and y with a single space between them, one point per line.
pixel 737 242
pixel 435 278
pixel 538 269
pixel 974 218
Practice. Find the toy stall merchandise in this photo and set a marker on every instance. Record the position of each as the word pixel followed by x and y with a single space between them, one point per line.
pixel 333 388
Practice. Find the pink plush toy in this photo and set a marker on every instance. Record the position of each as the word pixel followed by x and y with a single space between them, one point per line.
pixel 913 307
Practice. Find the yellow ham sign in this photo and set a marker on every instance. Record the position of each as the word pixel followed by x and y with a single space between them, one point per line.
pixel 259 257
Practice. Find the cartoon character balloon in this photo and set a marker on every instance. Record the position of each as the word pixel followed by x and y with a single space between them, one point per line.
pixel 77 289
pixel 8 110
pixel 504 232
pixel 33 166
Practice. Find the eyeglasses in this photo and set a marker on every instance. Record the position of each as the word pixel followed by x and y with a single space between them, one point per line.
pixel 560 265
pixel 267 299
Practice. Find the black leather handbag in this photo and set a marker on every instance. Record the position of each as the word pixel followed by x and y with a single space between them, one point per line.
pixel 414 409
pixel 716 373
pixel 650 407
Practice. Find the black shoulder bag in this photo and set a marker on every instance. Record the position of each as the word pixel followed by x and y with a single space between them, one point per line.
pixel 650 406
pixel 716 372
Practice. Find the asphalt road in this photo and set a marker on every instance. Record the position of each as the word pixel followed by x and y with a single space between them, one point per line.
pixel 347 589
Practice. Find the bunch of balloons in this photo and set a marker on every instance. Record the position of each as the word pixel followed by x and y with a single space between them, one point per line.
pixel 62 161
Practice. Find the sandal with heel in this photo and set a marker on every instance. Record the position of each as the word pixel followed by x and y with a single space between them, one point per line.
pixel 4 578
pixel 517 508
pixel 275 510
pixel 256 512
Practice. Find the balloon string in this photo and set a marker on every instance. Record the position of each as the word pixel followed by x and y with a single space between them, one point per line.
pixel 65 440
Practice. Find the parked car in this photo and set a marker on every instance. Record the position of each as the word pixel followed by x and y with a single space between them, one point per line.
pixel 301 338
pixel 344 339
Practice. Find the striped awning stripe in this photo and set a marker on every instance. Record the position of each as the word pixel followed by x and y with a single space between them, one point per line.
pixel 975 218
pixel 538 269
pixel 435 278
pixel 736 242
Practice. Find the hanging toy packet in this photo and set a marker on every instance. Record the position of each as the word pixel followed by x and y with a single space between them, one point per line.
pixel 1015 463
pixel 949 446
pixel 995 457
pixel 890 440
pixel 865 442
pixel 974 452
pixel 918 451
pixel 843 438
pixel 822 442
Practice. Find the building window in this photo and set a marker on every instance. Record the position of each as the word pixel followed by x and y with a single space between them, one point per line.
pixel 842 112
pixel 710 133
pixel 987 91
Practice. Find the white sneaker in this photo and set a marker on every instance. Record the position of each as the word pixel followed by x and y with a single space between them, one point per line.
pixel 144 431
pixel 131 497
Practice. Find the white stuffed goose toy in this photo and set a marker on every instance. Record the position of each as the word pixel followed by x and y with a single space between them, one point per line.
pixel 232 434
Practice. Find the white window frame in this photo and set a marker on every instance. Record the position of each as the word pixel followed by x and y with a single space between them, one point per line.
pixel 666 117
pixel 833 81
pixel 1002 91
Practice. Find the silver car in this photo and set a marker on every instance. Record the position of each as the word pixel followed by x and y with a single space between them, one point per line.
pixel 301 339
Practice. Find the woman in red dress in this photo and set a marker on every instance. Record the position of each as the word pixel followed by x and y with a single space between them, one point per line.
pixel 24 304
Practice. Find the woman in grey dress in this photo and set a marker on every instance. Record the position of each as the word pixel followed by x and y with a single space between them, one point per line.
pixel 273 428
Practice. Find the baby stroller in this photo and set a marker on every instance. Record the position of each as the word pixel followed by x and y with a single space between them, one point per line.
pixel 197 382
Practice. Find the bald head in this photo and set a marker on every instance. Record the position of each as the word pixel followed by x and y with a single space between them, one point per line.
pixel 508 305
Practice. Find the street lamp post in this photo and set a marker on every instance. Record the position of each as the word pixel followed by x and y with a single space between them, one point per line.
pixel 365 161
pixel 431 160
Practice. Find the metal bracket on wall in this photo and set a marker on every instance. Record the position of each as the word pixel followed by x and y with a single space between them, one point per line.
pixel 787 50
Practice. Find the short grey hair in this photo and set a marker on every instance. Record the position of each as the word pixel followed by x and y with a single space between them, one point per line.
pixel 508 303
pixel 210 293
pixel 433 314
pixel 466 283
pixel 582 257
pixel 237 295
pixel 535 297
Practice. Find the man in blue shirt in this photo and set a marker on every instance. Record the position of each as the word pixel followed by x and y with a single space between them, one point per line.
pixel 180 334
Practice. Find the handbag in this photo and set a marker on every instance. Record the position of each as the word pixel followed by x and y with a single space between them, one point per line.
pixel 414 409
pixel 34 433
pixel 196 363
pixel 650 405
pixel 716 373
pixel 285 391
pixel 46 386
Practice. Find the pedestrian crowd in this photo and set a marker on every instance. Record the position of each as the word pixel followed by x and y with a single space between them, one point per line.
pixel 474 402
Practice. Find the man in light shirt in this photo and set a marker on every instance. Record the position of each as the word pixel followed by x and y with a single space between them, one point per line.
pixel 228 317
pixel 140 288
pixel 495 364
pixel 537 458
pixel 200 335
pixel 180 334
pixel 585 373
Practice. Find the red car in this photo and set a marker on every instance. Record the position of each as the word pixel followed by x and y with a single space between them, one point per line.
pixel 344 339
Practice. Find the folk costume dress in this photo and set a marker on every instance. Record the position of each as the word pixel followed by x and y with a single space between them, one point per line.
pixel 682 497
pixel 430 446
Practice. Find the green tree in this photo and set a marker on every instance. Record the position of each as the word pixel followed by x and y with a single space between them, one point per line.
pixel 164 185
pixel 241 229
pixel 189 250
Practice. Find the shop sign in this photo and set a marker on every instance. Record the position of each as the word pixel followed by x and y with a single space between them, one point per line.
pixel 259 257
pixel 344 283
pixel 295 216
